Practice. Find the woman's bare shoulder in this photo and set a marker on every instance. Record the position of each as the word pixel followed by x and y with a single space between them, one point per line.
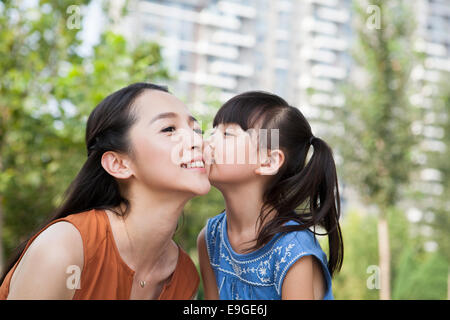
pixel 44 271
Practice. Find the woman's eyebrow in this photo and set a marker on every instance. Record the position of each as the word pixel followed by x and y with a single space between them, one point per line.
pixel 166 115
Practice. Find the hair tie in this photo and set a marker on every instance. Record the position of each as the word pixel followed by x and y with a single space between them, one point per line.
pixel 311 139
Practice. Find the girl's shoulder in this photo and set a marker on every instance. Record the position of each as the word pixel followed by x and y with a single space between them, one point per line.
pixel 298 244
pixel 214 229
pixel 291 247
pixel 305 240
pixel 214 222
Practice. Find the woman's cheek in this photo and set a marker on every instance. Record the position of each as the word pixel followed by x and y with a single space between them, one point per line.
pixel 154 163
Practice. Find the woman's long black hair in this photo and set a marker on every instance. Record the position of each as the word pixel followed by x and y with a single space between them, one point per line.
pixel 93 188
pixel 304 192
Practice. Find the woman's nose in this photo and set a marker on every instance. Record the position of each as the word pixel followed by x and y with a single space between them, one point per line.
pixel 197 142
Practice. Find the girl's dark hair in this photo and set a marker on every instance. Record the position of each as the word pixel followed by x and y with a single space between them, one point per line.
pixel 93 188
pixel 308 194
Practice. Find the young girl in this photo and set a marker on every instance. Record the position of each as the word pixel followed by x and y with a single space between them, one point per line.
pixel 112 237
pixel 262 246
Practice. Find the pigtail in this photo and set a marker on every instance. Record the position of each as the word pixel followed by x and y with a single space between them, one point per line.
pixel 308 194
pixel 321 177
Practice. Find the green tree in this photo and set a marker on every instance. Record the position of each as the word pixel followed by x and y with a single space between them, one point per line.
pixel 439 160
pixel 377 117
pixel 421 275
pixel 416 273
pixel 47 91
pixel 32 40
pixel 359 230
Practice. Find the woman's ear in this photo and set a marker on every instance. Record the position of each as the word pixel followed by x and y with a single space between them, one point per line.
pixel 116 165
pixel 271 164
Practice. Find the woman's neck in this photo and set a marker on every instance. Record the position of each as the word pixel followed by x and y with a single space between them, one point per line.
pixel 146 232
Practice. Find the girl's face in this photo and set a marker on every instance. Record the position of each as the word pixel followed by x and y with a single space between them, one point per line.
pixel 233 155
pixel 167 145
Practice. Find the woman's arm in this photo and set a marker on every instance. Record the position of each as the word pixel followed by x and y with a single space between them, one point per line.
pixel 49 265
pixel 298 283
pixel 208 277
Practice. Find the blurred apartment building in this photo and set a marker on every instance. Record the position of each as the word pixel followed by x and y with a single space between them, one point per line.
pixel 432 39
pixel 299 49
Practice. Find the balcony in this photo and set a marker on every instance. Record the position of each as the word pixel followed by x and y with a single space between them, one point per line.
pixel 324 42
pixel 202 47
pixel 232 38
pixel 306 82
pixel 201 78
pixel 311 24
pixel 325 56
pixel 203 17
pixel 235 69
pixel 320 70
pixel 236 9
pixel 336 15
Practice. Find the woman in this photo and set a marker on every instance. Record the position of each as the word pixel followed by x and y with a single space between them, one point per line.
pixel 112 237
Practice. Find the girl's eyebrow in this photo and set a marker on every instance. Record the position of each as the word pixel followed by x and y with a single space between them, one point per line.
pixel 166 115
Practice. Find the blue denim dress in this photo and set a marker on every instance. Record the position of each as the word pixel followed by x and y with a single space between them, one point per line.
pixel 259 275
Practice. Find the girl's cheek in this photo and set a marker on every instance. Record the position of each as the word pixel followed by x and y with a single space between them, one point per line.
pixel 252 154
pixel 234 152
pixel 216 149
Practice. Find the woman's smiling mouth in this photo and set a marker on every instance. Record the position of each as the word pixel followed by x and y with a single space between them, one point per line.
pixel 196 163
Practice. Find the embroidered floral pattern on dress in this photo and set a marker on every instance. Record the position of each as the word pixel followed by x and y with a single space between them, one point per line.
pixel 240 275
pixel 265 267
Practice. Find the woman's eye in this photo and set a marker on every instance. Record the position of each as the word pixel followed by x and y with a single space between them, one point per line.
pixel 168 129
pixel 227 134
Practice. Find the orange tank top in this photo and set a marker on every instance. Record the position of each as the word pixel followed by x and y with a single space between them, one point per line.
pixel 105 276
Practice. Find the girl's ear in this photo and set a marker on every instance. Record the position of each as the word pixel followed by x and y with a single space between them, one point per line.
pixel 271 164
pixel 116 165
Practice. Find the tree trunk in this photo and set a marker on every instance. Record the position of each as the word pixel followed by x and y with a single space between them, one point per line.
pixel 1 236
pixel 384 258
pixel 448 284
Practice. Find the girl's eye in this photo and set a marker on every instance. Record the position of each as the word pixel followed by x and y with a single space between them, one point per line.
pixel 168 129
pixel 227 134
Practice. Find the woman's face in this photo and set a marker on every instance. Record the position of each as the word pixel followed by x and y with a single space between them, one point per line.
pixel 167 145
pixel 232 153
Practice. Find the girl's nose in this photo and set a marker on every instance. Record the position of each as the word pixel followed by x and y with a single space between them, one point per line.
pixel 210 145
